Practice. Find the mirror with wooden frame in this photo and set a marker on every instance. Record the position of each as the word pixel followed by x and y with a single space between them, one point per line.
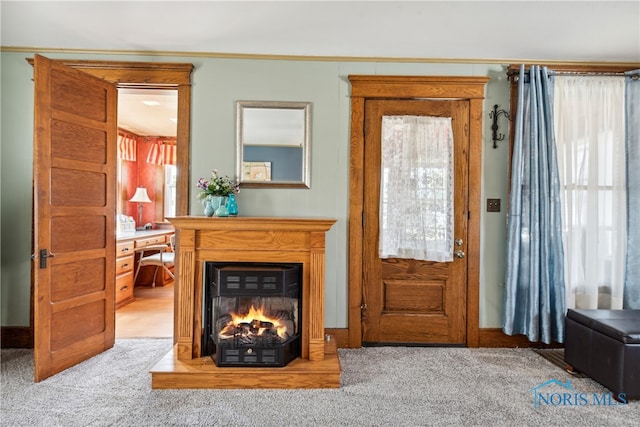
pixel 273 144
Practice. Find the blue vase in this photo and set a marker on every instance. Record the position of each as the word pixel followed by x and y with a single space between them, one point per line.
pixel 222 209
pixel 212 204
pixel 232 205
pixel 208 206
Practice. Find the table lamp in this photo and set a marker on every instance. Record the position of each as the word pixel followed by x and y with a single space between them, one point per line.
pixel 140 197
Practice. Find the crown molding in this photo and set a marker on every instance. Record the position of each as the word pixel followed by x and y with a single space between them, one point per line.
pixel 255 56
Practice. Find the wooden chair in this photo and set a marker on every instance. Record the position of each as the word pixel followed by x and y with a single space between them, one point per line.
pixel 161 258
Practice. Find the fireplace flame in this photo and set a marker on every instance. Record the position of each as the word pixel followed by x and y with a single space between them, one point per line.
pixel 256 318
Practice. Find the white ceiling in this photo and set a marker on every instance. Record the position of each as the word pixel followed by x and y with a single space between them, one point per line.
pixel 148 112
pixel 506 31
pixel 494 30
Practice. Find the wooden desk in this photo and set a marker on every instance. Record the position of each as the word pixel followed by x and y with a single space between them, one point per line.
pixel 126 261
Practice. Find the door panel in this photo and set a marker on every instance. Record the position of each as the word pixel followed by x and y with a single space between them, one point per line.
pixel 77 233
pixel 407 300
pixel 74 172
pixel 87 320
pixel 64 183
pixel 92 149
pixel 77 278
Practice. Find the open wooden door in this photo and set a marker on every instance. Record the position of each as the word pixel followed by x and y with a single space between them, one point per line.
pixel 74 184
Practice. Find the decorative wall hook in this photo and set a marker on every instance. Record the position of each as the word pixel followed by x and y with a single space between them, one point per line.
pixel 494 127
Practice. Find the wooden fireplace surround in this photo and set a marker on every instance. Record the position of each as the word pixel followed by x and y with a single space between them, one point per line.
pixel 248 239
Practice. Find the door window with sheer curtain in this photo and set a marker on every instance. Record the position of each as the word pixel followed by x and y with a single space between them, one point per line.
pixel 416 191
pixel 589 126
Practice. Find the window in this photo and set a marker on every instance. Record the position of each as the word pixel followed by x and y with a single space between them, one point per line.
pixel 589 128
pixel 416 200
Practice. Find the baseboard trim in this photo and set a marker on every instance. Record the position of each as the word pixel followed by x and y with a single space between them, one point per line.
pixel 16 337
pixel 496 338
pixel 487 337
pixel 22 337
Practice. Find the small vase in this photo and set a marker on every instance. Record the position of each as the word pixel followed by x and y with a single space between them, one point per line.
pixel 232 205
pixel 222 209
pixel 208 206
pixel 212 204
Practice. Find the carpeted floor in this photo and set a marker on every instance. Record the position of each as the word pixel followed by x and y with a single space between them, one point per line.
pixel 556 356
pixel 381 386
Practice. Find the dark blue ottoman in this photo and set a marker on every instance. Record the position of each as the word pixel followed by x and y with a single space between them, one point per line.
pixel 605 345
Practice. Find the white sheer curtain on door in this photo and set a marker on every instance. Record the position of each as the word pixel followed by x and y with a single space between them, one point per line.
pixel 589 125
pixel 416 189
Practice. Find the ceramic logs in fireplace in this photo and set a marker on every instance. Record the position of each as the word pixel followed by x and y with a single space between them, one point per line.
pixel 252 313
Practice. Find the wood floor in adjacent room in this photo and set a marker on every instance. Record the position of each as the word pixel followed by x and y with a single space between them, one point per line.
pixel 149 316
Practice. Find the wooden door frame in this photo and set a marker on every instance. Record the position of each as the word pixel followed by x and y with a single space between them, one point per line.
pixel 470 89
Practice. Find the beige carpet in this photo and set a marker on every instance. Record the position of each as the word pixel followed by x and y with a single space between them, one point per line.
pixel 556 356
pixel 381 386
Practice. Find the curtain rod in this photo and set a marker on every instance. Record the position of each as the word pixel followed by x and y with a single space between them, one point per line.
pixel 635 75
pixel 575 73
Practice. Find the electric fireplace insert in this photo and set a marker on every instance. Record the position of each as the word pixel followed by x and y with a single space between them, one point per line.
pixel 252 313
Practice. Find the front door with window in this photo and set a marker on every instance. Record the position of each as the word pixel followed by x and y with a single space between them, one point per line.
pixel 407 300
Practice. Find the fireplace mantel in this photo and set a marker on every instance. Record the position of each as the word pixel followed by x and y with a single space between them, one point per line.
pixel 248 239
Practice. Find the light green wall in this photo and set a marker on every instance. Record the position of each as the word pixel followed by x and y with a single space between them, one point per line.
pixel 217 84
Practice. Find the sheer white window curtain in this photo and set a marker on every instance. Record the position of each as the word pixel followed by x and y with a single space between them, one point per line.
pixel 589 126
pixel 416 200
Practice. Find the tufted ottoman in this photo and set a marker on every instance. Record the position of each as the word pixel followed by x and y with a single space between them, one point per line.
pixel 605 345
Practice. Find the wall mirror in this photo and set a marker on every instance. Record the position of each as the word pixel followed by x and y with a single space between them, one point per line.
pixel 273 144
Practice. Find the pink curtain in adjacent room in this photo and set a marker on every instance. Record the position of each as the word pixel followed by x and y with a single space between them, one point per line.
pixel 127 146
pixel 162 153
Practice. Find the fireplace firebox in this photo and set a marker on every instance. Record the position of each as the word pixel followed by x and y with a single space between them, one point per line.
pixel 252 313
